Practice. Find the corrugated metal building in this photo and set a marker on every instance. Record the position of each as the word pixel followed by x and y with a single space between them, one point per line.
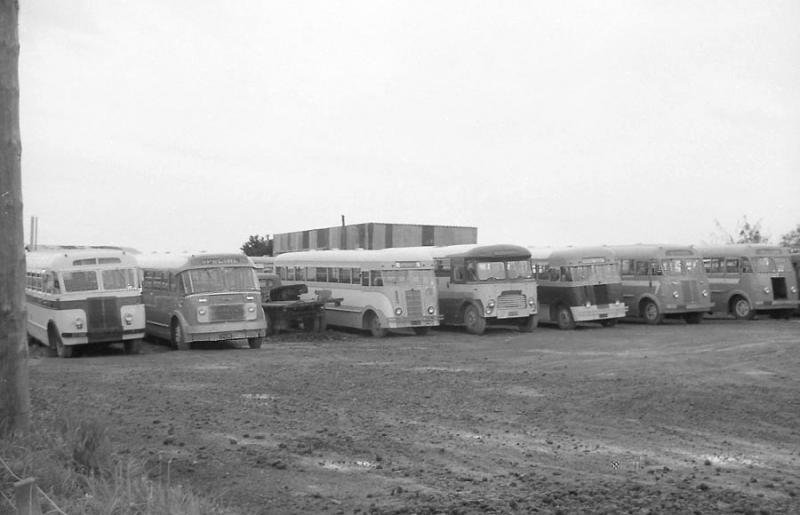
pixel 373 236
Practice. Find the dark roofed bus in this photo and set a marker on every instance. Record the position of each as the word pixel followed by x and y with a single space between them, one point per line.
pixel 748 278
pixel 202 297
pixel 663 281
pixel 484 284
pixel 578 284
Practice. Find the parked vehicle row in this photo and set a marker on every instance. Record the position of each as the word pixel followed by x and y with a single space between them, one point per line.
pixel 101 296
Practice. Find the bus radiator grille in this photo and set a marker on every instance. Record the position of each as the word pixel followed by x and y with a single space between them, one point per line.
pixel 602 294
pixel 226 312
pixel 414 303
pixel 690 293
pixel 511 301
pixel 103 315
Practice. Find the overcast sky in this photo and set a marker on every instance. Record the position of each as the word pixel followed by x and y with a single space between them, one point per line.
pixel 190 124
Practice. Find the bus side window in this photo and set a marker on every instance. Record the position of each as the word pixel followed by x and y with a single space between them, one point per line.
pixel 442 268
pixel 565 274
pixel 365 278
pixel 626 267
pixel 458 274
pixel 377 280
pixel 747 268
pixel 655 268
pixel 642 268
pixel 356 275
pixel 732 265
pixel 173 282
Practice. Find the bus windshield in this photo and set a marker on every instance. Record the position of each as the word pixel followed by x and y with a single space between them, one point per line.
pixel 685 266
pixel 770 264
pixel 499 270
pixel 406 277
pixel 203 280
pixel 122 279
pixel 83 280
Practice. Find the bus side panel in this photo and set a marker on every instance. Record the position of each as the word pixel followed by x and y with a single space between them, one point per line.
pixel 37 319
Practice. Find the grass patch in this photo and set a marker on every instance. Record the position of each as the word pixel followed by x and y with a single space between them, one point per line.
pixel 75 467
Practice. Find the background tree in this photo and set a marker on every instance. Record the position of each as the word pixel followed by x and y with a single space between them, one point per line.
pixel 257 246
pixel 14 395
pixel 792 238
pixel 746 232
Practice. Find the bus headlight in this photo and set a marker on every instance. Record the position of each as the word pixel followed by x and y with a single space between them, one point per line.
pixel 766 290
pixel 588 304
pixel 128 318
pixel 202 311
pixel 531 302
pixel 251 309
pixel 489 307
pixel 675 294
pixel 431 310
pixel 398 311
pixel 78 323
pixel 793 289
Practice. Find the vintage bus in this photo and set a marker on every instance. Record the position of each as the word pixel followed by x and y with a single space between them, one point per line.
pixel 81 296
pixel 748 278
pixel 375 290
pixel 663 281
pixel 578 284
pixel 484 284
pixel 202 297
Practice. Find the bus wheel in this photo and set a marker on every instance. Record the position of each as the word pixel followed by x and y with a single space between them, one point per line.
pixel 373 324
pixel 421 331
pixel 650 312
pixel 609 323
pixel 565 318
pixel 693 318
pixel 255 343
pixel 473 320
pixel 741 309
pixel 178 338
pixel 309 324
pixel 132 346
pixel 529 324
pixel 62 351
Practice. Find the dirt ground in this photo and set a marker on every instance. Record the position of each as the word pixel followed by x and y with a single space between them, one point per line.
pixel 630 419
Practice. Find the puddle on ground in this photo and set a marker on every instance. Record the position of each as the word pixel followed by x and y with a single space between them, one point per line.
pixel 346 465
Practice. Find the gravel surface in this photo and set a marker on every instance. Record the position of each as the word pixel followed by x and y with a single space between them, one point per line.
pixel 630 419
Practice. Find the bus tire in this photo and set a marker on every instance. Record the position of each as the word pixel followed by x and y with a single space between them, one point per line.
pixel 57 344
pixel 373 324
pixel 178 339
pixel 609 323
pixel 528 324
pixel 255 343
pixel 421 331
pixel 650 312
pixel 741 309
pixel 132 346
pixel 565 319
pixel 473 320
pixel 693 318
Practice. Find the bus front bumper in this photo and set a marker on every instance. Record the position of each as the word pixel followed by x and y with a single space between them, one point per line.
pixel 595 312
pixel 769 305
pixel 101 336
pixel 221 332
pixel 401 322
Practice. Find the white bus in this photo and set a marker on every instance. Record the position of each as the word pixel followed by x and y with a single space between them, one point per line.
pixel 83 296
pixel 202 297
pixel 484 284
pixel 578 284
pixel 376 290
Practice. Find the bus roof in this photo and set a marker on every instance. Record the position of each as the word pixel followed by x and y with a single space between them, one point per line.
pixel 176 261
pixel 573 255
pixel 743 249
pixel 648 251
pixel 479 251
pixel 352 257
pixel 60 259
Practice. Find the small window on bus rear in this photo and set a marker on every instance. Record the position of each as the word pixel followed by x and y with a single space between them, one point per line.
pixel 109 260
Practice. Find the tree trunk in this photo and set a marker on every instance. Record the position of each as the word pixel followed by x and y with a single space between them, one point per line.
pixel 14 395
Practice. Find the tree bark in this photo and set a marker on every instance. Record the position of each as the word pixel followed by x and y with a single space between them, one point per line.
pixel 14 395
